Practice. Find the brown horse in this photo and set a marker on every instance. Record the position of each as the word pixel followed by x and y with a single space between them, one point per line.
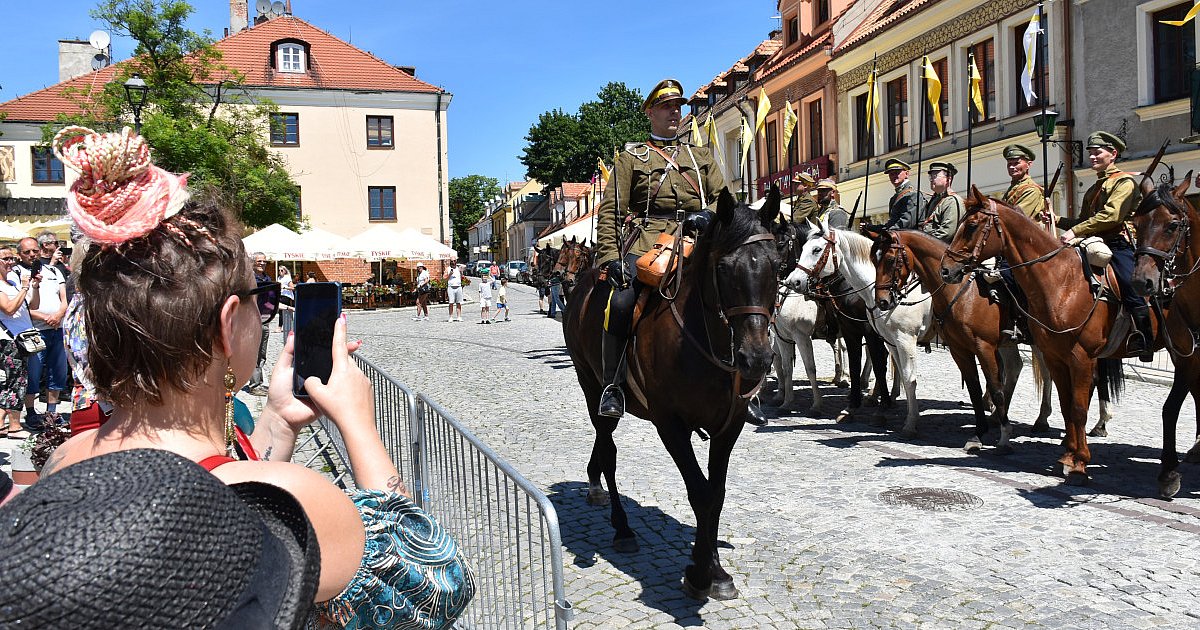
pixel 1168 255
pixel 967 321
pixel 694 364
pixel 1068 322
pixel 574 256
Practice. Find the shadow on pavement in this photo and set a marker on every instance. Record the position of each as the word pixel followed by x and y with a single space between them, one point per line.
pixel 665 545
pixel 556 358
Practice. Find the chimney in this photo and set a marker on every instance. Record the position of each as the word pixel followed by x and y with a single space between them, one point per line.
pixel 239 15
pixel 74 58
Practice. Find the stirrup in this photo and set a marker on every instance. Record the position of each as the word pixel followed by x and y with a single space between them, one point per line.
pixel 1014 334
pixel 612 402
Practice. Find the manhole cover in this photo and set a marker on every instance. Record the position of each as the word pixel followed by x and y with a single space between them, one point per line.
pixel 932 499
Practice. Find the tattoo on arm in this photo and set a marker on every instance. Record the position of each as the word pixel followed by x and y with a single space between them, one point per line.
pixel 267 455
pixel 395 485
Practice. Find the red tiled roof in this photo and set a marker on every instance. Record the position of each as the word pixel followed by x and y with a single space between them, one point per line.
pixel 880 19
pixel 333 64
pixel 575 190
pixel 766 48
pixel 776 64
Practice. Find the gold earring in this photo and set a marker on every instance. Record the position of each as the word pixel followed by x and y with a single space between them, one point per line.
pixel 229 437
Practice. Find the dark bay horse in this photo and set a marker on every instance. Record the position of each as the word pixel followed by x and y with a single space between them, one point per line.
pixel 694 364
pixel 1168 255
pixel 967 321
pixel 574 256
pixel 1069 324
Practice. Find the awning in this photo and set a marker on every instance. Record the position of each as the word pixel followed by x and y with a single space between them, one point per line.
pixel 583 229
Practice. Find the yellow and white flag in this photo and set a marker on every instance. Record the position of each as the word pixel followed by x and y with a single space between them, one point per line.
pixel 764 108
pixel 1029 43
pixel 976 90
pixel 710 130
pixel 747 140
pixel 1187 18
pixel 789 125
pixel 697 139
pixel 933 89
pixel 872 101
pixel 604 173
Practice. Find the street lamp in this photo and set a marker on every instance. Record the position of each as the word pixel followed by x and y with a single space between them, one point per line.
pixel 1044 125
pixel 135 93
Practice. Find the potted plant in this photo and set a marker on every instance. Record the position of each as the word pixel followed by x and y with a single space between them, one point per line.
pixel 23 471
pixel 31 455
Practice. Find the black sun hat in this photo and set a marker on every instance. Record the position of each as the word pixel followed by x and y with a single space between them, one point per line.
pixel 147 539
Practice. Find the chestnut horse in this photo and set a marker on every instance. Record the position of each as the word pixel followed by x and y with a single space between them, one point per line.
pixel 1168 255
pixel 573 257
pixel 694 363
pixel 1069 324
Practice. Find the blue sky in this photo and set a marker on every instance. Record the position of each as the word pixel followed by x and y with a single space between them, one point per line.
pixel 505 62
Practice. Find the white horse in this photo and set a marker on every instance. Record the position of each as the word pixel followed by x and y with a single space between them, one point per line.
pixel 830 252
pixel 795 320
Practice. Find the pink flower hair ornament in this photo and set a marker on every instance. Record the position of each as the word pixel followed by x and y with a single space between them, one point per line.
pixel 119 194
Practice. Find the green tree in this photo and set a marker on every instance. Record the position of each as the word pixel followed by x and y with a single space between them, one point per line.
pixel 198 118
pixel 469 197
pixel 564 147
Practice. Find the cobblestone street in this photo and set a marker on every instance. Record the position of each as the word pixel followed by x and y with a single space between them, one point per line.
pixel 811 541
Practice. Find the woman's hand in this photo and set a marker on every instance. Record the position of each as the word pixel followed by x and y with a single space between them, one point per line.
pixel 346 399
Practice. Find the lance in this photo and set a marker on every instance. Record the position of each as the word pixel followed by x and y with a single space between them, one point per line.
pixel 970 121
pixel 850 223
pixel 874 94
pixel 921 138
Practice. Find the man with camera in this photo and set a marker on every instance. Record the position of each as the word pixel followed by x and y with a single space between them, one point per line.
pixel 47 319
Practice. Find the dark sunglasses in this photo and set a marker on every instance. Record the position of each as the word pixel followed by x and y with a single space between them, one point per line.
pixel 8 259
pixel 267 296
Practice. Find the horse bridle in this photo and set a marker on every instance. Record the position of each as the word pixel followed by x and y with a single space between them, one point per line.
pixel 830 252
pixel 971 260
pixel 900 261
pixel 1166 260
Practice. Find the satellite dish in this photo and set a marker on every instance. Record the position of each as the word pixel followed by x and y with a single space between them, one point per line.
pixel 263 7
pixel 99 60
pixel 277 8
pixel 99 40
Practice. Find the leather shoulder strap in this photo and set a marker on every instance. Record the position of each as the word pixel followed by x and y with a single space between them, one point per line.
pixel 675 165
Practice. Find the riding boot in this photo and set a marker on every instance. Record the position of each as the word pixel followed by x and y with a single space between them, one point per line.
pixel 754 414
pixel 1142 340
pixel 612 399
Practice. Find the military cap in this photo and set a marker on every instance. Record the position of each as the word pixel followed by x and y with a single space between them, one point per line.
pixel 896 165
pixel 943 166
pixel 1105 139
pixel 666 90
pixel 826 184
pixel 803 177
pixel 1014 151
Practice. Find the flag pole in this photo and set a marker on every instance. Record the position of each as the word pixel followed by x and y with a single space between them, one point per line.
pixel 873 98
pixel 791 139
pixel 921 138
pixel 1044 36
pixel 970 121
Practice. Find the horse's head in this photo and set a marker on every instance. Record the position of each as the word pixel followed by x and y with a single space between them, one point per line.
pixel 817 257
pixel 893 266
pixel 787 243
pixel 1163 224
pixel 740 262
pixel 978 238
pixel 572 257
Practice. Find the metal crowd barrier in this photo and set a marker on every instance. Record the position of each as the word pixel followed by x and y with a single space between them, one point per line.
pixel 506 527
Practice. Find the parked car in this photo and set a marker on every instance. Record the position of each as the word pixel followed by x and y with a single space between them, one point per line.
pixel 516 269
pixel 479 268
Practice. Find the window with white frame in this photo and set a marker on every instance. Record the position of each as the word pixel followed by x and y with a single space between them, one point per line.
pixel 1166 55
pixel 290 58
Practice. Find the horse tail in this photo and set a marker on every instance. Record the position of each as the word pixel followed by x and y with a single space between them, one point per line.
pixel 1110 379
pixel 1038 368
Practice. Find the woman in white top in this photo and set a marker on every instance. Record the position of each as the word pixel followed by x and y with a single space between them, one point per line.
pixel 423 289
pixel 287 310
pixel 14 314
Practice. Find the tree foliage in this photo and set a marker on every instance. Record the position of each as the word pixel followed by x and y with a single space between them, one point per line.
pixel 564 147
pixel 469 197
pixel 197 118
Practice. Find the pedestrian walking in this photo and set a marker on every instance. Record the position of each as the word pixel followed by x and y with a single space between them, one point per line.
pixel 423 290
pixel 287 301
pixel 454 290
pixel 502 300
pixel 556 300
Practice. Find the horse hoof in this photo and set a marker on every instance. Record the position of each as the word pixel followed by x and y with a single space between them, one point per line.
pixel 1193 456
pixel 908 434
pixel 693 592
pixel 1168 485
pixel 597 497
pixel 1098 432
pixel 879 420
pixel 1041 426
pixel 843 416
pixel 973 446
pixel 625 545
pixel 1077 479
pixel 723 590
pixel 1004 449
pixel 814 411
pixel 843 383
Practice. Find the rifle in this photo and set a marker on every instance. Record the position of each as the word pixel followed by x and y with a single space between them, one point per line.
pixel 850 223
pixel 1154 163
pixel 1050 217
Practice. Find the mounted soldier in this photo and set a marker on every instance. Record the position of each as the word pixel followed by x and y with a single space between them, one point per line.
pixel 1107 205
pixel 904 208
pixel 655 186
pixel 804 207
pixel 945 207
pixel 1027 195
pixel 828 207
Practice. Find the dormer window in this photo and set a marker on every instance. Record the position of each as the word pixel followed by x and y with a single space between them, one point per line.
pixel 290 58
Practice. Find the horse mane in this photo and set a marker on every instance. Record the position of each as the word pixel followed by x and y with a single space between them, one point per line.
pixel 721 236
pixel 1162 195
pixel 855 244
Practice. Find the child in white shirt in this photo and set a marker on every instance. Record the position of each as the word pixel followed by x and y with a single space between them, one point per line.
pixel 485 299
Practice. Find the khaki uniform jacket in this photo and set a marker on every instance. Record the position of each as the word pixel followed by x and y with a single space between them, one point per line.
pixel 1026 195
pixel 904 208
pixel 942 221
pixel 1108 204
pixel 833 213
pixel 805 208
pixel 636 174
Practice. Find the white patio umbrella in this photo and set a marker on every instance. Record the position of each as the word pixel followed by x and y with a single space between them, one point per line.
pixel 276 241
pixel 422 247
pixel 319 244
pixel 10 232
pixel 378 243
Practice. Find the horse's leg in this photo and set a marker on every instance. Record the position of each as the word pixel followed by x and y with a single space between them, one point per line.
pixel 1045 386
pixel 786 360
pixel 1191 366
pixel 698 576
pixel 718 472
pixel 1008 370
pixel 895 393
pixel 966 367
pixel 905 357
pixel 1074 383
pixel 879 364
pixel 854 352
pixel 604 462
pixel 1168 477
pixel 804 345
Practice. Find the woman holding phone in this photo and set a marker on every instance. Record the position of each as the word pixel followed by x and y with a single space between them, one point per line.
pixel 14 317
pixel 158 258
